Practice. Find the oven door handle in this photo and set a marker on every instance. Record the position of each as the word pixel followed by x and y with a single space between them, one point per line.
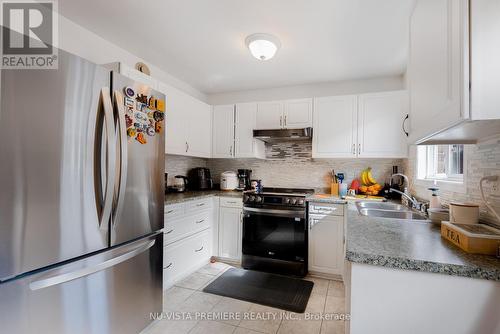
pixel 274 212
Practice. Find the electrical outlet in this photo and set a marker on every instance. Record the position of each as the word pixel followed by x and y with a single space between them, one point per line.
pixel 495 188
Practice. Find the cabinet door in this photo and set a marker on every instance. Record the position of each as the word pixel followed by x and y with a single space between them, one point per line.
pixel 269 115
pixel 230 233
pixel 199 127
pixel 435 72
pixel 175 120
pixel 223 131
pixel 245 122
pixel 326 244
pixel 380 125
pixel 298 114
pixel 139 76
pixel 334 134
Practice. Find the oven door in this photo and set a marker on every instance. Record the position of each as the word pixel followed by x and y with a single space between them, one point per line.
pixel 275 233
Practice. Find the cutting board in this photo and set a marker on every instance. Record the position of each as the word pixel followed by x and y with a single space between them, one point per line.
pixel 472 238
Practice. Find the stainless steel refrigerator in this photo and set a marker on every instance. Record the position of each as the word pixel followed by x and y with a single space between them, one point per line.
pixel 81 201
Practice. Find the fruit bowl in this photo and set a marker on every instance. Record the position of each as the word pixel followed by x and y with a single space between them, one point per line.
pixel 369 186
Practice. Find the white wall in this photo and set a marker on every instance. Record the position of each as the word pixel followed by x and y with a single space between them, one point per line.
pixel 84 43
pixel 311 90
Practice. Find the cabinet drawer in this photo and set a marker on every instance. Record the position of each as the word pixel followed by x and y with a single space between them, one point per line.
pixel 326 209
pixel 181 227
pixel 231 202
pixel 173 210
pixel 193 207
pixel 182 257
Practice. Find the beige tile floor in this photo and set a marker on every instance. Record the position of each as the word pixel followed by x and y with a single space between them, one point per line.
pixel 186 298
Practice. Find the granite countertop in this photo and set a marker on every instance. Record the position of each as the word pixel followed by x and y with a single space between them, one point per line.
pixel 411 245
pixel 173 198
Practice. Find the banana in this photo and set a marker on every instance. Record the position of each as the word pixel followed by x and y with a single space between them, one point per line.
pixel 364 178
pixel 370 177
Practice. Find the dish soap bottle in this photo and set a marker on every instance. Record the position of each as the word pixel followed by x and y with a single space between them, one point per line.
pixel 435 200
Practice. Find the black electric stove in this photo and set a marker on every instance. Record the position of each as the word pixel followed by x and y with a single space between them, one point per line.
pixel 275 231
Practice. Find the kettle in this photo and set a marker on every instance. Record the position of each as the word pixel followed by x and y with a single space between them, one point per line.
pixel 180 183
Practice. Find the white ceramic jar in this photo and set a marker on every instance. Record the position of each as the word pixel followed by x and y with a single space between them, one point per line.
pixel 464 213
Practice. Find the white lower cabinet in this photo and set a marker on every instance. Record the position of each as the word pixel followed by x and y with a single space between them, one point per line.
pixel 230 228
pixel 188 238
pixel 185 256
pixel 326 239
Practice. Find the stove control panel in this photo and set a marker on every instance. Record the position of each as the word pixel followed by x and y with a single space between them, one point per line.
pixel 279 200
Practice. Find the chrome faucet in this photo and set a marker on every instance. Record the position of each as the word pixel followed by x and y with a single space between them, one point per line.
pixel 405 193
pixel 416 204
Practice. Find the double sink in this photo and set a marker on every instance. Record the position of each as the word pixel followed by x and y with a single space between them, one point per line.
pixel 388 210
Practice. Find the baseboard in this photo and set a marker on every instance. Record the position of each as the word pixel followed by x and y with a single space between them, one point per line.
pixel 333 277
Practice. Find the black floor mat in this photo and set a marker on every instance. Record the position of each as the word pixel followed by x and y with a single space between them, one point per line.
pixel 287 293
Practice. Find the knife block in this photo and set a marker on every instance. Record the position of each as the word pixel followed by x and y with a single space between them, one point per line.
pixel 334 189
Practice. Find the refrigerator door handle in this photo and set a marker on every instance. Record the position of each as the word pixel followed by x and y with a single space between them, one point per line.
pixel 120 186
pixel 66 277
pixel 105 205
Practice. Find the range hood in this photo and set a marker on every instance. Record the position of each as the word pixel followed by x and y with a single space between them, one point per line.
pixel 280 135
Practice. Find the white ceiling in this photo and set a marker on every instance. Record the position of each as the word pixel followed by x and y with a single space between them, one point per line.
pixel 202 42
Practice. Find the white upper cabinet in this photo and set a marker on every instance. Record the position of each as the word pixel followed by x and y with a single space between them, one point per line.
pixel 453 73
pixel 365 126
pixel 223 131
pixel 188 124
pixel 199 129
pixel 381 118
pixel 245 122
pixel 175 120
pixel 335 127
pixel 485 59
pixel 297 114
pixel 288 114
pixel 437 79
pixel 269 115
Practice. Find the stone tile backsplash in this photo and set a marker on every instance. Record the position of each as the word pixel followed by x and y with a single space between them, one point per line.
pixel 482 159
pixel 180 165
pixel 290 164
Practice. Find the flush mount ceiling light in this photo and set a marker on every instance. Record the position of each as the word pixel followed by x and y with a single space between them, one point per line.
pixel 263 46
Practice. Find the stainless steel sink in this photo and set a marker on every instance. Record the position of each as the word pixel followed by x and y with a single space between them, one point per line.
pixel 410 215
pixel 382 206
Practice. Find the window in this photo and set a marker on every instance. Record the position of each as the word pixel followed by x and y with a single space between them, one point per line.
pixel 441 162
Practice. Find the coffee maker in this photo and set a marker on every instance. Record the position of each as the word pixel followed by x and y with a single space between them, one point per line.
pixel 244 176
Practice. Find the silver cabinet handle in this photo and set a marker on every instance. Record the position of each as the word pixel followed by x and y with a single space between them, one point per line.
pixel 187 147
pixel 199 250
pixel 312 222
pixel 231 150
pixel 168 232
pixel 281 121
pixel 200 221
pixel 170 211
pixel 404 122
pixel 169 265
pixel 284 122
pixel 200 204
pixel 66 277
pixel 231 202
pixel 359 149
pixel 354 149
